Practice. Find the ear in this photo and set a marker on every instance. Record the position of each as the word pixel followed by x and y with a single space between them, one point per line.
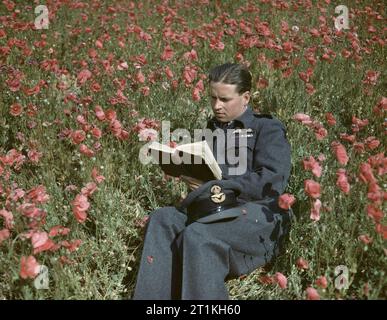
pixel 246 97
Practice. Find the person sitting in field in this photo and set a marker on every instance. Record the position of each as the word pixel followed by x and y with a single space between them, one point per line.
pixel 224 228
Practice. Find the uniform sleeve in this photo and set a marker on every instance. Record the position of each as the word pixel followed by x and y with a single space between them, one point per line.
pixel 271 164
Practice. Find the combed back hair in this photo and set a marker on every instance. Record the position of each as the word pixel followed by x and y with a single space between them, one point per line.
pixel 232 73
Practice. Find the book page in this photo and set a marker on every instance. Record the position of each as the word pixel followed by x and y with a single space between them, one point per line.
pixel 196 153
pixel 203 150
pixel 211 161
pixel 196 148
pixel 161 147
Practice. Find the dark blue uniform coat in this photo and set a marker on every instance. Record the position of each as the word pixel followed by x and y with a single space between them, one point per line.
pixel 181 261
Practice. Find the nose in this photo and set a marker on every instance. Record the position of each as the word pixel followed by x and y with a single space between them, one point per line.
pixel 218 105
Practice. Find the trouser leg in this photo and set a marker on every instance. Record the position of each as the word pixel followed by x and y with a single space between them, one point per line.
pixel 212 252
pixel 204 265
pixel 159 272
pixel 193 262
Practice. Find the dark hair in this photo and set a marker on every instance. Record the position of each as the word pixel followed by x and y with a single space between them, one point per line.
pixel 232 73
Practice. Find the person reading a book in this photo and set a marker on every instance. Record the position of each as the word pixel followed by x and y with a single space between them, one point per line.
pixel 225 227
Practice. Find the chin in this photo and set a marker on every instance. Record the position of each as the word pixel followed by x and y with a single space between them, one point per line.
pixel 222 119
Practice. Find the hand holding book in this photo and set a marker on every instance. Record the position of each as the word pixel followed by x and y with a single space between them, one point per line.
pixel 193 160
pixel 192 183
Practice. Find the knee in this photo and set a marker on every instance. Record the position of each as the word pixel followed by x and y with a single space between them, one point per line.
pixel 196 235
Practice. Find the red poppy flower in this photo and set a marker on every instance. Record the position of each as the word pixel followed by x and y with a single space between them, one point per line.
pixel 32 91
pixel 15 110
pixel 38 194
pixel 322 282
pixel 342 180
pixel 96 176
pixel 358 124
pixel 349 138
pixel 365 239
pixel 310 89
pixel 34 156
pixel 330 119
pixel 265 279
pixel 189 75
pixel 85 150
pixel 281 280
pixel 375 193
pixel 167 53
pixel 89 189
pixel 312 188
pixel 303 118
pixel 346 53
pixel 8 217
pixel 320 132
pixel 191 55
pixel 13 84
pixel 99 44
pixel 312 294
pixel 380 107
pixel 78 136
pixel 340 152
pixel 366 175
pixel 313 165
pixel 38 239
pixel 30 210
pixel 29 267
pixel 372 143
pixel 375 213
pixel 99 113
pixel 262 83
pixel 71 245
pixel 80 206
pixel 371 77
pixel 196 94
pixel 302 263
pixel 140 78
pixel 315 210
pixel 381 229
pixel 286 200
pixel 145 91
pixel 96 132
pixel 4 235
pixel 83 76
pixel 58 230
pixel 168 72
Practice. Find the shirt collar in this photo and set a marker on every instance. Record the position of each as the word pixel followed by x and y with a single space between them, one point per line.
pixel 245 119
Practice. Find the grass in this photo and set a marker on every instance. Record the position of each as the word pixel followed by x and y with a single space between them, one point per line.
pixel 105 264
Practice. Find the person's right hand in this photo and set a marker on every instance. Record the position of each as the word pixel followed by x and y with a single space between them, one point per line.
pixel 192 183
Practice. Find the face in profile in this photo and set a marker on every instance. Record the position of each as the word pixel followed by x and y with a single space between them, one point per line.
pixel 227 104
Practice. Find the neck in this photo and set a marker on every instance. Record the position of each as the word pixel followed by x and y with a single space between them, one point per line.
pixel 242 112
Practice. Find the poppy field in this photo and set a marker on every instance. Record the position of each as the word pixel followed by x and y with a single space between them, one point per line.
pixel 85 84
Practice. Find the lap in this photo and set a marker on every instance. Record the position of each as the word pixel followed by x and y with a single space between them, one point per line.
pixel 254 227
pixel 255 230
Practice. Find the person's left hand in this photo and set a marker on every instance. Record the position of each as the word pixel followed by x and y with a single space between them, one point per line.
pixel 192 183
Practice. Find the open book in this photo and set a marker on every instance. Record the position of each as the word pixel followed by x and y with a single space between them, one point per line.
pixel 193 159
